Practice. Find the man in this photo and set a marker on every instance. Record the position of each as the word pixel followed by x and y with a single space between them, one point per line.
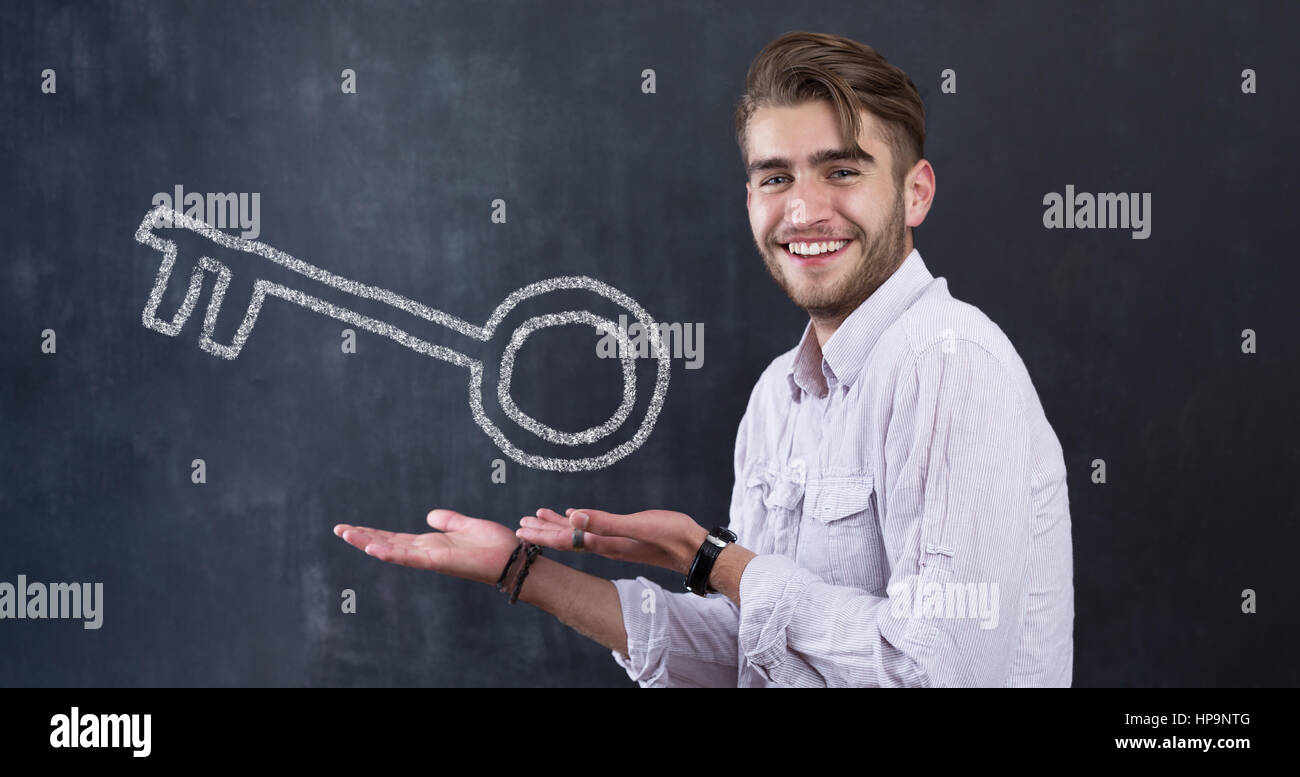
pixel 900 505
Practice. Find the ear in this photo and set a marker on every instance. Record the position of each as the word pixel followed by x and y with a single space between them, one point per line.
pixel 749 192
pixel 920 194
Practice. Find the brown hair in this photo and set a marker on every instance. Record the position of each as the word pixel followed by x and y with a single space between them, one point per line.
pixel 801 66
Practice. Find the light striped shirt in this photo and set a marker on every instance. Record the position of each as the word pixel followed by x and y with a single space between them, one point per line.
pixel 907 499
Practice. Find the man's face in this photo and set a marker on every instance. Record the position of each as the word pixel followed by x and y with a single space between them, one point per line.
pixel 800 190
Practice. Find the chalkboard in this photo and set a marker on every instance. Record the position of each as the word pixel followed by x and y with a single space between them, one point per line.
pixel 452 154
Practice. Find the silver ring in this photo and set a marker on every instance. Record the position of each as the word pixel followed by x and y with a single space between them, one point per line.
pixel 577 540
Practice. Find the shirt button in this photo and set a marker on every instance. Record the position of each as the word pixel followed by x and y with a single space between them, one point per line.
pixel 798 470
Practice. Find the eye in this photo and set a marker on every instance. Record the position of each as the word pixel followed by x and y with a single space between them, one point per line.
pixel 842 170
pixel 773 178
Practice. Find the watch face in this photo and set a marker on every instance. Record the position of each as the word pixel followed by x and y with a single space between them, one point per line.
pixel 726 534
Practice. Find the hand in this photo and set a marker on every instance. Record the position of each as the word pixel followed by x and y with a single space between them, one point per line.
pixel 464 547
pixel 661 538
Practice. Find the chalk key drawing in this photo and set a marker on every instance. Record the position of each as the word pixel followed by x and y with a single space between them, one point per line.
pixel 262 288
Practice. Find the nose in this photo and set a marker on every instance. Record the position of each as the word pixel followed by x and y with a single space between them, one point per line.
pixel 806 205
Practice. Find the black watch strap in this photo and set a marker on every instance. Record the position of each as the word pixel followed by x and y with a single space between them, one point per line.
pixel 697 579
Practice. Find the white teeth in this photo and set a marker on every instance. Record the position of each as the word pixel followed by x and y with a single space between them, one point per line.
pixel 813 249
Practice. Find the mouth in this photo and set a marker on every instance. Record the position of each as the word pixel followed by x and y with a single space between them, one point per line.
pixel 809 259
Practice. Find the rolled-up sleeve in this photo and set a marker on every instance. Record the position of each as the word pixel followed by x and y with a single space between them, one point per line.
pixel 956 513
pixel 677 639
pixel 680 639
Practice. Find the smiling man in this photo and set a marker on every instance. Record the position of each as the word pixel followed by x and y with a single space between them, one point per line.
pixel 899 514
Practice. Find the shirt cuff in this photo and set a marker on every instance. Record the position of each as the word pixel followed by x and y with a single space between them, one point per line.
pixel 770 590
pixel 647 644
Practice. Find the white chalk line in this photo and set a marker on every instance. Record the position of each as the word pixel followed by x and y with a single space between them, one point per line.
pixel 262 288
pixel 586 436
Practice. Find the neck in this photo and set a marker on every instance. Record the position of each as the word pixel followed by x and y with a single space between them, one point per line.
pixel 825 325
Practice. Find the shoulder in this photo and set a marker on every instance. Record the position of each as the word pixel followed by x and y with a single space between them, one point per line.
pixel 938 327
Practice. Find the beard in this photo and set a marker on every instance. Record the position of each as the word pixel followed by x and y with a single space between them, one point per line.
pixel 836 300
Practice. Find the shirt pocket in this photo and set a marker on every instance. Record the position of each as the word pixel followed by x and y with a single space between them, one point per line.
pixel 839 537
pixel 773 502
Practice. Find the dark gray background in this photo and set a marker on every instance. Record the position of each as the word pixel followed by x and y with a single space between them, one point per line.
pixel 1133 345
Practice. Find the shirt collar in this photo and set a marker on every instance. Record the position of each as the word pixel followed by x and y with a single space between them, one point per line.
pixel 815 369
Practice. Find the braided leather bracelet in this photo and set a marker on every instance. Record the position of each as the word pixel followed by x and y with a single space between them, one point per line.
pixel 533 552
pixel 513 556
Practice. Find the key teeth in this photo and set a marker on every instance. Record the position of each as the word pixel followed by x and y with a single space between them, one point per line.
pixel 144 235
pixel 222 285
pixel 227 352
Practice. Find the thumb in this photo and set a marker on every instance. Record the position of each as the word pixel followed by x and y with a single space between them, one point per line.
pixel 447 520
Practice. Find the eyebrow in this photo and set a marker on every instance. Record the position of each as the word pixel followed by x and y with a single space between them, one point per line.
pixel 814 160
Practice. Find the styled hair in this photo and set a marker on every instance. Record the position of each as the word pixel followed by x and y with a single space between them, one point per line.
pixel 801 66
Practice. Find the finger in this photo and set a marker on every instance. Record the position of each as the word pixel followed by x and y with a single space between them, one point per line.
pixel 531 522
pixel 545 518
pixel 615 548
pixel 548 536
pixel 391 537
pixel 366 531
pixel 558 538
pixel 397 554
pixel 360 536
pixel 549 515
pixel 339 529
pixel 611 524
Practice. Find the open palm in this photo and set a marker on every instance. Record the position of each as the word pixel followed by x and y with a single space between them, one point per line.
pixel 469 548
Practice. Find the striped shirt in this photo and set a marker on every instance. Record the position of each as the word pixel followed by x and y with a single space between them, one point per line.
pixel 907 499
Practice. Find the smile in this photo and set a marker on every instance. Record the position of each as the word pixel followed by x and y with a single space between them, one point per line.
pixel 812 254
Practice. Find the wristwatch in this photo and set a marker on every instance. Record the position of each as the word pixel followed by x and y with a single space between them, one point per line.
pixel 697 579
